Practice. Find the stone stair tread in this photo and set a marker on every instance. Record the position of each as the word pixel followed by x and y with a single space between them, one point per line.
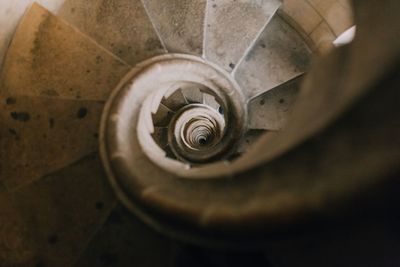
pixel 40 135
pixel 280 54
pixel 180 24
pixel 232 27
pixel 50 58
pixel 175 101
pixel 271 110
pixel 193 95
pixel 123 27
pixel 50 222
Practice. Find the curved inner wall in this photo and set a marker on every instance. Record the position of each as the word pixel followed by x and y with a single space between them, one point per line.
pixel 321 21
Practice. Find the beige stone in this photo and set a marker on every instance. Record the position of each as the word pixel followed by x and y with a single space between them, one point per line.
pixel 50 58
pixel 337 14
pixel 180 23
pixel 10 15
pixel 339 18
pixel 278 56
pixel 50 222
pixel 302 13
pixel 39 135
pixel 323 37
pixel 121 26
pixel 232 27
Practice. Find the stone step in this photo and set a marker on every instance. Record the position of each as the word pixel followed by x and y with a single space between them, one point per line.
pixel 123 27
pixel 279 55
pixel 50 222
pixel 232 27
pixel 160 135
pixel 180 24
pixel 40 135
pixel 53 84
pixel 193 95
pixel 209 100
pixel 162 116
pixel 271 110
pixel 249 139
pixel 50 58
pixel 175 101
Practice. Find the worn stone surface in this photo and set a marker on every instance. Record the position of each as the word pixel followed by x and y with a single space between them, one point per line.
pixel 271 110
pixel 10 15
pixel 180 24
pixel 232 26
pixel 249 140
pixel 125 241
pixel 50 222
pixel 121 26
pixel 16 244
pixel 175 101
pixel 39 135
pixel 50 58
pixel 280 54
pixel 349 143
pixel 193 96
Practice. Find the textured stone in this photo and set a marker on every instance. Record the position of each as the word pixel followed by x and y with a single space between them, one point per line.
pixel 232 26
pixel 180 24
pixel 16 244
pixel 51 221
pixel 249 139
pixel 271 110
pixel 126 241
pixel 40 135
pixel 279 55
pixel 121 26
pixel 48 57
pixel 10 15
pixel 343 142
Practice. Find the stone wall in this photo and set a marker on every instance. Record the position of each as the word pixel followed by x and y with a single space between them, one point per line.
pixel 322 21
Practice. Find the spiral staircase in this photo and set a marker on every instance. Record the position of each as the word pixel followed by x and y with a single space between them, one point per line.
pixel 141 132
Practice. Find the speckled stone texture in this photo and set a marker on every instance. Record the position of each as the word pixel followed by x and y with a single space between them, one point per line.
pixel 50 222
pixel 180 24
pixel 53 84
pixel 232 27
pixel 120 26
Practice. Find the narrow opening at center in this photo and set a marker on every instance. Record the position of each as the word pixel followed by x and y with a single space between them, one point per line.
pixel 203 140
